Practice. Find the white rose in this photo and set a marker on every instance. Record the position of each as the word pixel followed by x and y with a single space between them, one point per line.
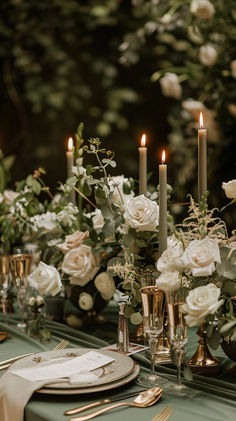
pixel 233 68
pixel 232 109
pixel 207 55
pixel 193 107
pixel 73 241
pixel 39 300
pixel 45 279
pixel 203 9
pixel 230 189
pixel 169 281
pixel 201 302
pixel 10 196
pixel 67 215
pixel 116 186
pixel 85 301
pixel 31 301
pixel 142 214
pixel 98 220
pixel 81 264
pixel 47 221
pixel 170 86
pixel 200 256
pixel 105 285
pixel 170 259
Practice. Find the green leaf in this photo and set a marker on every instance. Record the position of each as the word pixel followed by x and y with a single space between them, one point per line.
pixel 2 179
pixel 136 318
pixel 36 186
pixel 128 311
pixel 128 240
pixel 86 189
pixel 29 180
pixel 8 162
pixel 214 339
pixel 107 212
pixel 108 228
pixel 227 326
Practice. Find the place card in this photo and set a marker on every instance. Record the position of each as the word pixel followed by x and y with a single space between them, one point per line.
pixel 64 369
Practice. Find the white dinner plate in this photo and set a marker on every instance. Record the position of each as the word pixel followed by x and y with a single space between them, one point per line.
pixel 93 389
pixel 121 367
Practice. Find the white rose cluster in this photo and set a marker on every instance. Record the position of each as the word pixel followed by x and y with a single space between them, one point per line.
pixel 142 214
pixel 45 279
pixel 116 187
pixel 201 302
pixel 81 264
pixel 46 221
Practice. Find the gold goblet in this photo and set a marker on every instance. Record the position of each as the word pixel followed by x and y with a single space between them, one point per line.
pixel 20 268
pixel 4 280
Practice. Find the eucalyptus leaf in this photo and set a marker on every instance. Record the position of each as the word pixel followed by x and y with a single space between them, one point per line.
pixel 136 318
pixel 214 339
pixel 227 326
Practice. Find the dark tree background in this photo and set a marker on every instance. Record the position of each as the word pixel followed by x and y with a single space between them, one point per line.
pixel 61 63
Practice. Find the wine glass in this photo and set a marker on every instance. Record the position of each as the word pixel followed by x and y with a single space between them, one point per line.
pixel 178 335
pixel 153 313
pixel 4 280
pixel 20 268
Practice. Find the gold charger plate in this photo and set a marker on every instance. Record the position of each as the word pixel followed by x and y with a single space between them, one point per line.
pixel 118 369
pixel 93 389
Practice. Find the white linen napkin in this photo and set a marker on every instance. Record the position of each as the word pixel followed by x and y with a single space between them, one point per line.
pixel 19 383
pixel 16 391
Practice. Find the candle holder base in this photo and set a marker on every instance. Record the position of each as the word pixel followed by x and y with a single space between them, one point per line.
pixel 203 362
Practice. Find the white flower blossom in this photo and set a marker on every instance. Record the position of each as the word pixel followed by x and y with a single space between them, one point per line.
pixel 142 214
pixel 170 86
pixel 201 255
pixel 85 301
pixel 45 279
pixel 207 55
pixel 230 189
pixel 81 264
pixel 203 9
pixel 169 281
pixel 201 302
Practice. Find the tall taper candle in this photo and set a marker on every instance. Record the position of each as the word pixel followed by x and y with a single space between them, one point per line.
pixel 162 205
pixel 143 166
pixel 70 163
pixel 202 159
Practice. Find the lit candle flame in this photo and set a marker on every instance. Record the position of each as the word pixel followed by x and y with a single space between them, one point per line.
pixel 143 140
pixel 70 144
pixel 201 121
pixel 163 157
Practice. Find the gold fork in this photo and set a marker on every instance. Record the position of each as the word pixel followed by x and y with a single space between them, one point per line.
pixel 164 415
pixel 5 364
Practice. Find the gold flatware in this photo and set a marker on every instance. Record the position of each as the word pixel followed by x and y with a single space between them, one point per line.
pixel 99 403
pixel 143 400
pixel 5 364
pixel 163 415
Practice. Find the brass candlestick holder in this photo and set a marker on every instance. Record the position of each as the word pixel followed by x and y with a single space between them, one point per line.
pixel 203 362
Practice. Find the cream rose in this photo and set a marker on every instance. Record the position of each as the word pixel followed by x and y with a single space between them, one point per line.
pixel 105 285
pixel 171 258
pixel 45 279
pixel 201 302
pixel 98 220
pixel 203 9
pixel 207 55
pixel 233 68
pixel 170 86
pixel 73 241
pixel 169 281
pixel 200 256
pixel 85 301
pixel 10 196
pixel 81 264
pixel 142 214
pixel 230 189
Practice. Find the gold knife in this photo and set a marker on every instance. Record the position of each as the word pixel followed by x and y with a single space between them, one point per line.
pixel 99 403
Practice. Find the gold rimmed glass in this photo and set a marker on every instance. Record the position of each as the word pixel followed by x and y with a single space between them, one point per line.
pixel 20 265
pixel 5 282
pixel 153 313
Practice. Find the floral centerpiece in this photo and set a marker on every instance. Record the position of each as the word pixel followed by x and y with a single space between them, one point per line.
pixel 200 257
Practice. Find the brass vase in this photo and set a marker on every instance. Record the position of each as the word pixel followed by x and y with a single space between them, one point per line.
pixel 203 362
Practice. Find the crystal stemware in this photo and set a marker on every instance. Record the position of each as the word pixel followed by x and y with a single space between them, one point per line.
pixel 178 335
pixel 20 268
pixel 153 313
pixel 4 280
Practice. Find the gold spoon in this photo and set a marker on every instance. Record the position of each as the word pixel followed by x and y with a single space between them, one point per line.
pixel 143 400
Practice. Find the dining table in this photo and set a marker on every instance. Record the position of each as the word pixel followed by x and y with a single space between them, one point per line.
pixel 213 397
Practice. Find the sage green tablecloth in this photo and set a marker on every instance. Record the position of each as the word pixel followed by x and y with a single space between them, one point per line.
pixel 214 397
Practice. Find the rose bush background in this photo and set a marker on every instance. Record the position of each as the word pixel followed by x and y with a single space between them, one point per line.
pixel 49 77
